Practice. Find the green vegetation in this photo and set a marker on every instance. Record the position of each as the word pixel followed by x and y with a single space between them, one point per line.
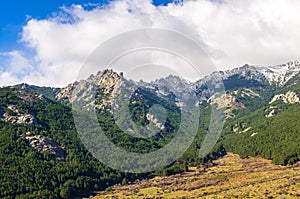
pixel 275 138
pixel 143 99
pixel 27 173
pixel 48 92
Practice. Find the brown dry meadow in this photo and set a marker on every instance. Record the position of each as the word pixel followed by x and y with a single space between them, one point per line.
pixel 230 177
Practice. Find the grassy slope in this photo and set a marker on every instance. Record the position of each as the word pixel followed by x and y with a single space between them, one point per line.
pixel 231 177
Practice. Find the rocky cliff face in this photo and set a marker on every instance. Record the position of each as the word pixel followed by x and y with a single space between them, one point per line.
pixel 278 75
pixel 102 87
pixel 102 84
pixel 45 144
pixel 29 97
pixel 14 113
pixel 271 75
pixel 228 102
pixel 290 97
pixel 246 92
pixel 174 88
pixel 19 118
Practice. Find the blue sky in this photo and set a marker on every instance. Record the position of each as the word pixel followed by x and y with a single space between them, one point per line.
pixel 15 13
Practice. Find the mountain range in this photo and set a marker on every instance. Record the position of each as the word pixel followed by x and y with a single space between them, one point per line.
pixel 42 155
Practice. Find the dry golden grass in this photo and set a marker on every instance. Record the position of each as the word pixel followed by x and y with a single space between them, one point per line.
pixel 232 177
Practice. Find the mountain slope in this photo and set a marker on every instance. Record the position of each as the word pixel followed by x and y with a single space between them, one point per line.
pixel 42 155
pixel 48 92
pixel 46 159
pixel 272 130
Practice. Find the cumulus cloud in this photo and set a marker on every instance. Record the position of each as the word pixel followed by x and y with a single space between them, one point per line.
pixel 17 67
pixel 233 33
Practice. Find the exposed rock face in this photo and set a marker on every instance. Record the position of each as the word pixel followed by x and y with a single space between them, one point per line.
pixel 248 93
pixel 271 113
pixel 16 117
pixel 155 121
pixel 264 75
pixel 108 85
pixel 281 74
pixel 28 97
pixel 12 113
pixel 104 83
pixel 228 102
pixel 289 98
pixel 19 119
pixel 175 89
pixel 44 144
pixel 254 134
pixel 241 128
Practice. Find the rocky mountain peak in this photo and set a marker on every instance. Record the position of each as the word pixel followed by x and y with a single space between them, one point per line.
pixel 107 79
pixel 104 81
pixel 277 75
pixel 281 74
pixel 174 88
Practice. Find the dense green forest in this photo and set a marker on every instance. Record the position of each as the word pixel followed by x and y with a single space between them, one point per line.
pixel 275 138
pixel 27 173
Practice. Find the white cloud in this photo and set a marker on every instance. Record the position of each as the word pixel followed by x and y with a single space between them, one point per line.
pixel 18 68
pixel 233 32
